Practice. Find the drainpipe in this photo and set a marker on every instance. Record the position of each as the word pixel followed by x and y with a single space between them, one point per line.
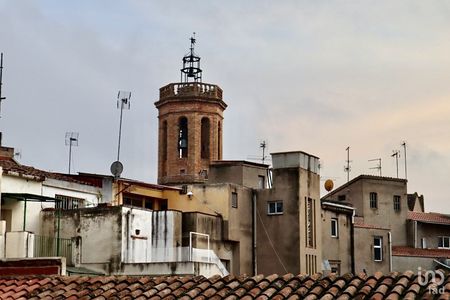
pixel 415 234
pixel 352 242
pixel 254 261
pixel 24 213
pixel 59 228
pixel 390 250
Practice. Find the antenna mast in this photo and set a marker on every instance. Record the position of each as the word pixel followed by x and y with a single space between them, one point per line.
pixel 404 149
pixel 263 146
pixel 123 102
pixel 347 167
pixel 377 167
pixel 1 81
pixel 396 154
pixel 71 140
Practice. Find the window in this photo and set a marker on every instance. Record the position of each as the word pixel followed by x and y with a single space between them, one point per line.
pixel 397 206
pixel 68 202
pixel 261 182
pixel 234 200
pixel 444 242
pixel 373 200
pixel 183 137
pixel 275 208
pixel 334 228
pixel 205 138
pixel 377 248
pixel 423 243
pixel 310 222
pixel 341 198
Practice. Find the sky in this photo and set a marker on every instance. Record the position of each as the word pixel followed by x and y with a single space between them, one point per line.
pixel 317 76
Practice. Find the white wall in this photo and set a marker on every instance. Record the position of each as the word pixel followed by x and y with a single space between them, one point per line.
pixel 52 187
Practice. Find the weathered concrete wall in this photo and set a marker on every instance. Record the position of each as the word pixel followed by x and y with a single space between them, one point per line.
pixel 279 235
pixel 239 172
pixel 337 250
pixel 427 231
pixel 364 257
pixel 385 216
pixel 100 230
pixel 406 263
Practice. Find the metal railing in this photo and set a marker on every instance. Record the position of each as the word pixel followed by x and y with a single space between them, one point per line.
pixel 46 246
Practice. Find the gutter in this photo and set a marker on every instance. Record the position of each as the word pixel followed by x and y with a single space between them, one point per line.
pixel 254 260
pixel 352 242
pixel 390 250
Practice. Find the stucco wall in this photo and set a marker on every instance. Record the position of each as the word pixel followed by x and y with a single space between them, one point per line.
pixel 364 257
pixel 279 234
pixel 337 249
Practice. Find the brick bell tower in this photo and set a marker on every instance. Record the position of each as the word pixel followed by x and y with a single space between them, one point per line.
pixel 190 125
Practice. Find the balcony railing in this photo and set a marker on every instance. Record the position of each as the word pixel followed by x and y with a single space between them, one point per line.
pixel 198 89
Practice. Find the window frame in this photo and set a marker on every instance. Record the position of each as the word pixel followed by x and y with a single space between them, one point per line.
pixel 443 239
pixel 380 247
pixel 373 200
pixel 276 210
pixel 234 200
pixel 334 225
pixel 397 203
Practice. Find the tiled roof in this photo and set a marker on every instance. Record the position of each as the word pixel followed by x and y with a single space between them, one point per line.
pixel 379 286
pixel 410 251
pixel 12 166
pixel 431 217
pixel 359 223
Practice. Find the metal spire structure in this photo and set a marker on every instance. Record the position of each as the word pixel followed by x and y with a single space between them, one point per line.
pixel 191 65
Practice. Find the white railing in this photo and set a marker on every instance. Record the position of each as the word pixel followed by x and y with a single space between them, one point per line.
pixel 187 254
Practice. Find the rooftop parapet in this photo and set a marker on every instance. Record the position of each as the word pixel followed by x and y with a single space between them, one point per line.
pixel 190 89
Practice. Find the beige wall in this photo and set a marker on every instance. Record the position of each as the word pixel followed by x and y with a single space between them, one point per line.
pixel 358 194
pixel 430 232
pixel 364 251
pixel 337 250
pixel 281 239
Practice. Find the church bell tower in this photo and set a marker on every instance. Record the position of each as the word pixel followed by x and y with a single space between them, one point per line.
pixel 190 125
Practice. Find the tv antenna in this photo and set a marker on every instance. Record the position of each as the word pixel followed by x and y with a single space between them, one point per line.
pixel 123 102
pixel 18 153
pixel 1 82
pixel 404 151
pixel 263 145
pixel 347 168
pixel 71 140
pixel 396 154
pixel 378 166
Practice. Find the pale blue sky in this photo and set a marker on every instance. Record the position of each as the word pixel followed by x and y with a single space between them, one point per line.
pixel 316 76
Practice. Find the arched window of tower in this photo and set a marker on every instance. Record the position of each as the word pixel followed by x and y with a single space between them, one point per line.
pixel 205 138
pixel 183 137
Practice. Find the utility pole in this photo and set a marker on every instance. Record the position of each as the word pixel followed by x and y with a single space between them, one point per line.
pixel 404 151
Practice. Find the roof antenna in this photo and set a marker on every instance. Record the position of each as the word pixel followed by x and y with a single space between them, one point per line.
pixel 347 167
pixel 404 151
pixel 71 140
pixel 396 154
pixel 1 82
pixel 378 166
pixel 123 102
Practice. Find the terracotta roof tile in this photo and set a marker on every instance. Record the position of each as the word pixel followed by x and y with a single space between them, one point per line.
pixel 389 286
pixel 431 217
pixel 419 252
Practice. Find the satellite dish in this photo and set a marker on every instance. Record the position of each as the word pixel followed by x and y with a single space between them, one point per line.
pixel 328 185
pixel 116 168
